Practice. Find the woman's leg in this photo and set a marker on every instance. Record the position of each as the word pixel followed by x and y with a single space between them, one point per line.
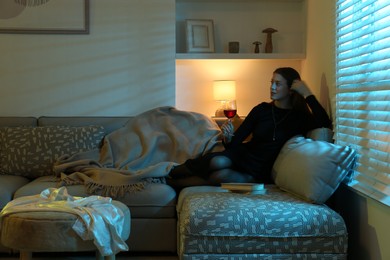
pixel 194 167
pixel 229 175
pixel 181 183
pixel 210 170
pixel 220 162
pixel 180 171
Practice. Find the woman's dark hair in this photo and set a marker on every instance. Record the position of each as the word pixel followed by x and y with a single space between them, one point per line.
pixel 290 74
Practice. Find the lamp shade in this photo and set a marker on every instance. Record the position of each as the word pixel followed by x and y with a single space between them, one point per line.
pixel 224 90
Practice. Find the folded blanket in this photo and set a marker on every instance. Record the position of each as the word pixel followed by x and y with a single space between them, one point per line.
pixel 141 152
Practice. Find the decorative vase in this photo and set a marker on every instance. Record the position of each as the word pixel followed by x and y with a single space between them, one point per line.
pixel 268 43
pixel 257 46
pixel 234 47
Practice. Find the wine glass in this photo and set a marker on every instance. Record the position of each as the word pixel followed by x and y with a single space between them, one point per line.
pixel 230 109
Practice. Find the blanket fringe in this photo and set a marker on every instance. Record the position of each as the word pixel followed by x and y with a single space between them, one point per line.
pixel 66 181
pixel 116 191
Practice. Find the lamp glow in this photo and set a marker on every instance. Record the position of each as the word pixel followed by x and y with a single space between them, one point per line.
pixel 224 90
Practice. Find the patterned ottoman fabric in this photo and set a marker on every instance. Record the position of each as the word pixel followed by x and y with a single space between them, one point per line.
pixel 275 223
pixel 263 256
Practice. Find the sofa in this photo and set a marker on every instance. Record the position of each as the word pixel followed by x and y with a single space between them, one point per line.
pixel 154 208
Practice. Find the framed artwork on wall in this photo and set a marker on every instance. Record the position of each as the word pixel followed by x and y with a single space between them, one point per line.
pixel 44 16
pixel 200 35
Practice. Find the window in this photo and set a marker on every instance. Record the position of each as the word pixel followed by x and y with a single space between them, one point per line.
pixel 363 91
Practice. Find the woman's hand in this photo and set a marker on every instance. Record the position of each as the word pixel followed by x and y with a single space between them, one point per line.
pixel 301 88
pixel 227 130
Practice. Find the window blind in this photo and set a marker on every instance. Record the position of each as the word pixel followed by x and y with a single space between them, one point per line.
pixel 363 91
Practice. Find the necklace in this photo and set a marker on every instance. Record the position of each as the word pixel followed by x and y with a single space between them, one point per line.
pixel 276 123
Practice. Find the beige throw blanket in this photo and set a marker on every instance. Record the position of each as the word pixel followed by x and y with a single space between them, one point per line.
pixel 141 152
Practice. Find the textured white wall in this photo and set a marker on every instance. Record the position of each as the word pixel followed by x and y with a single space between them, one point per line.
pixel 319 68
pixel 123 67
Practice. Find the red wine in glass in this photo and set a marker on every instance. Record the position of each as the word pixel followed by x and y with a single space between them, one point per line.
pixel 230 109
pixel 230 113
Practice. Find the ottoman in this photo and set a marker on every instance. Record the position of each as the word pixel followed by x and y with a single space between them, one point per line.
pixel 215 224
pixel 50 231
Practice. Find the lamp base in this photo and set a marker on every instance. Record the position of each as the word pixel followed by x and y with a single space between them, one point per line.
pixel 219 113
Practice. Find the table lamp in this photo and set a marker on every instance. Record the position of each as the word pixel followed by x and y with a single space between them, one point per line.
pixel 223 91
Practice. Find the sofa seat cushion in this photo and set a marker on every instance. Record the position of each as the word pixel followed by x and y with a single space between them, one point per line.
pixel 8 186
pixel 272 223
pixel 32 151
pixel 157 200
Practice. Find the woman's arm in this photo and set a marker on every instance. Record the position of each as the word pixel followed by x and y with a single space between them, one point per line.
pixel 246 127
pixel 321 117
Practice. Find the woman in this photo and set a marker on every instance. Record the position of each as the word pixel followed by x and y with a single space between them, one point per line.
pixel 294 110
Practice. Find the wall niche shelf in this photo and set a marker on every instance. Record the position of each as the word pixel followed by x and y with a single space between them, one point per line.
pixel 231 56
pixel 244 21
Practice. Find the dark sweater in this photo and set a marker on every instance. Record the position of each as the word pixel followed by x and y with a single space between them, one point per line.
pixel 257 156
pixel 270 128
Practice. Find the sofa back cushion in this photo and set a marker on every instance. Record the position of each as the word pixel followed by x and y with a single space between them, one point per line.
pixel 32 151
pixel 18 121
pixel 110 123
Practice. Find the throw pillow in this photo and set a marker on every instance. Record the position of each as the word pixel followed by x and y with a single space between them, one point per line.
pixel 321 134
pixel 312 170
pixel 32 151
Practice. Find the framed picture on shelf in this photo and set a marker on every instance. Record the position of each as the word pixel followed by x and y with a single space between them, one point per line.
pixel 200 35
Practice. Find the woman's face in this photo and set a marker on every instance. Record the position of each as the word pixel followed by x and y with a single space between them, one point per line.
pixel 279 90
